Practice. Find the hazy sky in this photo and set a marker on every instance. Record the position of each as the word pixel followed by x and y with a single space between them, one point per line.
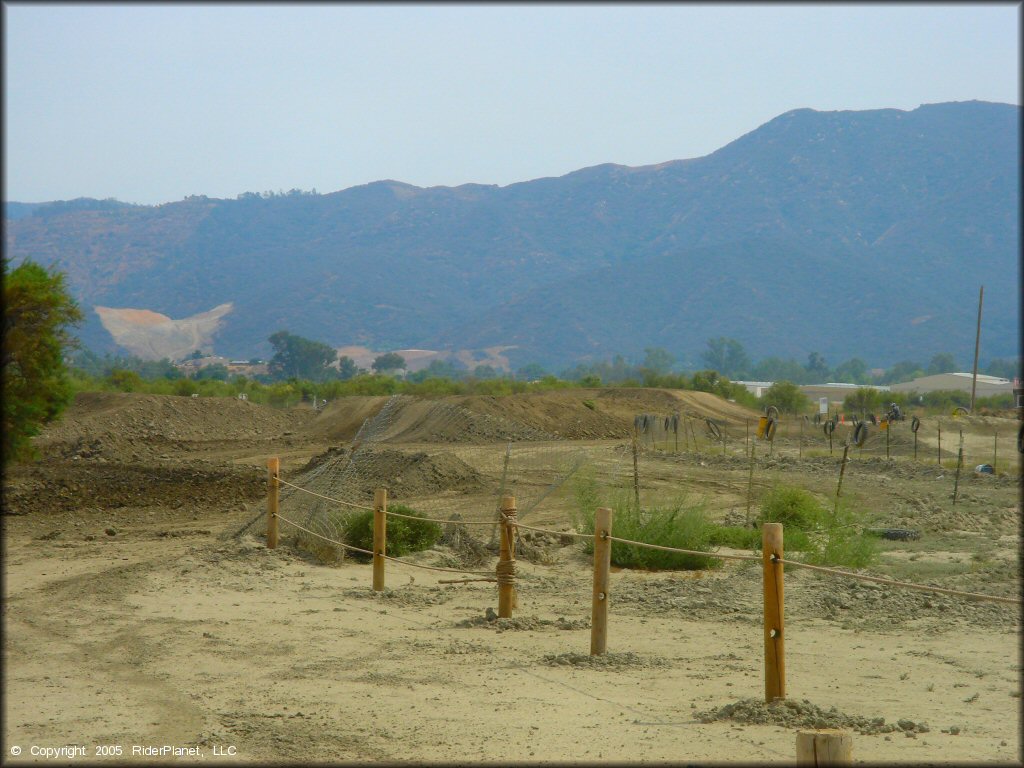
pixel 151 103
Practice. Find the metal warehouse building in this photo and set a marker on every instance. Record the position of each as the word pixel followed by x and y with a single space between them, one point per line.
pixel 987 385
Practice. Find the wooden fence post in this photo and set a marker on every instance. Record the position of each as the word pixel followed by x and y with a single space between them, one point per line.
pixel 750 483
pixel 506 570
pixel 940 444
pixel 774 641
pixel 602 567
pixel 380 537
pixel 826 746
pixel 273 501
pixel 959 464
pixel 636 472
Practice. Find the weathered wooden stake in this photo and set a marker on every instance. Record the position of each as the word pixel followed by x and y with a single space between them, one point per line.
pixel 826 746
pixel 636 473
pixel 746 439
pixel 774 642
pixel 380 523
pixel 940 443
pixel 915 446
pixel 602 569
pixel 842 469
pixel 506 571
pixel 800 454
pixel 995 453
pixel 725 437
pixel 750 482
pixel 888 429
pixel 273 501
pixel 959 464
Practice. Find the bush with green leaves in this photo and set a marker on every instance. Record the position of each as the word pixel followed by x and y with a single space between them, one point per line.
pixel 791 506
pixel 741 537
pixel 681 524
pixel 827 536
pixel 403 535
pixel 842 542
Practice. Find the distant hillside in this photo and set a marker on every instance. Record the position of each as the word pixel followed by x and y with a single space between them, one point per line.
pixel 847 233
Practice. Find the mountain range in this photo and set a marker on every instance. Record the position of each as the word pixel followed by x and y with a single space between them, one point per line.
pixel 849 233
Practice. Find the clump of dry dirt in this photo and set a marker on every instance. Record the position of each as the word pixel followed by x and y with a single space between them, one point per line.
pixel 803 714
pixel 615 661
pixel 489 621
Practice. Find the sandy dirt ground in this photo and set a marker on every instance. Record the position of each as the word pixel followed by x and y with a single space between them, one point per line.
pixel 135 619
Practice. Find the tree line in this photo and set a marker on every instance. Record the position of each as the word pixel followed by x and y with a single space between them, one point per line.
pixel 42 369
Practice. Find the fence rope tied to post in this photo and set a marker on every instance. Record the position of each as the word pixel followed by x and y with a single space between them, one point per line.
pixel 386 557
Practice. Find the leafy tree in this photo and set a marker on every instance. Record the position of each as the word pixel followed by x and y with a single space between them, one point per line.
pixel 38 315
pixel 1004 368
pixel 125 380
pixel 786 396
pixel 485 372
pixel 658 360
pixel 777 369
pixel 853 371
pixel 217 372
pixel 347 368
pixel 299 358
pixel 943 362
pixel 817 368
pixel 531 372
pixel 905 370
pixel 438 369
pixel 390 361
pixel 727 356
pixel 864 400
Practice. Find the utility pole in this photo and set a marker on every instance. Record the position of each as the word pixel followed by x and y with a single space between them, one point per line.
pixel 977 344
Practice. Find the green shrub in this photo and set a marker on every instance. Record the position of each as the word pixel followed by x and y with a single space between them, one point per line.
pixel 403 536
pixel 680 524
pixel 793 507
pixel 842 541
pixel 738 537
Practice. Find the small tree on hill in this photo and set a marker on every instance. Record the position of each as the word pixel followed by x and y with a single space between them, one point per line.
pixel 390 361
pixel 786 396
pixel 38 315
pixel 299 358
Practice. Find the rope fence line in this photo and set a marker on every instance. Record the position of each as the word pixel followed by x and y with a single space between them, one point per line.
pixel 685 551
pixel 439 521
pixel 368 552
pixel 906 584
pixel 719 555
pixel 328 498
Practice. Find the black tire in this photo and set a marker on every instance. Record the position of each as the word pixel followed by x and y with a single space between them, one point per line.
pixel 769 430
pixel 860 434
pixel 1020 439
pixel 713 429
pixel 772 413
pixel 961 411
pixel 830 427
pixel 872 419
pixel 915 424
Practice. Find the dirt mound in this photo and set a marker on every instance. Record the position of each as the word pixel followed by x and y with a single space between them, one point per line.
pixel 49 487
pixel 404 474
pixel 126 426
pixel 803 714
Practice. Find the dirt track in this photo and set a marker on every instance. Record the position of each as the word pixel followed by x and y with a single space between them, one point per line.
pixel 133 617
